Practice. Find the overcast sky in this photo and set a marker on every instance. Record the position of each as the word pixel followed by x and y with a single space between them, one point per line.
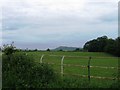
pixel 46 24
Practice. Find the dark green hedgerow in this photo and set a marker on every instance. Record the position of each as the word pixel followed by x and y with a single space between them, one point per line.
pixel 19 71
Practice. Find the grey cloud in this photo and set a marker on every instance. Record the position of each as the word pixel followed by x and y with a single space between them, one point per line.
pixel 60 29
pixel 110 17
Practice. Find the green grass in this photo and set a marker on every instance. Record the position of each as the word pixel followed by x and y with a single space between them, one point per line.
pixel 98 59
pixel 94 54
pixel 79 82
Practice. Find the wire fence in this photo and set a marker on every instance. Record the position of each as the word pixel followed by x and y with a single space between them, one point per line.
pixel 89 76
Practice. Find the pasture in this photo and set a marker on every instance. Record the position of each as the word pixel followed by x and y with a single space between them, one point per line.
pixel 75 63
pixel 103 67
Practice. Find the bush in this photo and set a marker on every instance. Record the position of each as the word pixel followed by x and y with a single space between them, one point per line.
pixel 19 71
pixel 48 50
pixel 9 49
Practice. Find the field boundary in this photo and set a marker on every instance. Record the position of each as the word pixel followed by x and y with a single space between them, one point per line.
pixel 96 77
pixel 82 66
pixel 86 76
pixel 83 56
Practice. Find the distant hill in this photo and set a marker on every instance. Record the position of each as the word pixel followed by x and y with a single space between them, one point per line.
pixel 65 48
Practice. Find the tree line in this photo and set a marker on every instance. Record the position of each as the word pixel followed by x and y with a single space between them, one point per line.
pixel 103 44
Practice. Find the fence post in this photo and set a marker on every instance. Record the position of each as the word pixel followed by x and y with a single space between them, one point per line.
pixel 89 68
pixel 62 66
pixel 41 58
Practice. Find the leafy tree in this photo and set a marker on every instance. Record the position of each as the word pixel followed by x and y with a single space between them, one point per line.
pixel 103 44
pixel 77 49
pixel 91 46
pixel 60 50
pixel 117 50
pixel 0 49
pixel 35 50
pixel 110 47
pixel 48 49
pixel 9 49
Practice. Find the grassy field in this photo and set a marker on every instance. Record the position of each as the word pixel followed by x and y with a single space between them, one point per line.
pixel 102 61
pixel 98 59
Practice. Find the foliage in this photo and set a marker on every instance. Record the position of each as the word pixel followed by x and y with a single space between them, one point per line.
pixel 60 50
pixel 79 82
pixel 48 49
pixel 77 49
pixel 9 49
pixel 110 47
pixel 19 71
pixel 103 44
pixel 117 50
pixel 35 50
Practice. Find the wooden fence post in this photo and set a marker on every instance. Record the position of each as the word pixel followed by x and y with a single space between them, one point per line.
pixel 89 68
pixel 41 58
pixel 62 66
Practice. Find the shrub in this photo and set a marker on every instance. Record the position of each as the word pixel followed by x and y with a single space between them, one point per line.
pixel 9 49
pixel 48 50
pixel 19 71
